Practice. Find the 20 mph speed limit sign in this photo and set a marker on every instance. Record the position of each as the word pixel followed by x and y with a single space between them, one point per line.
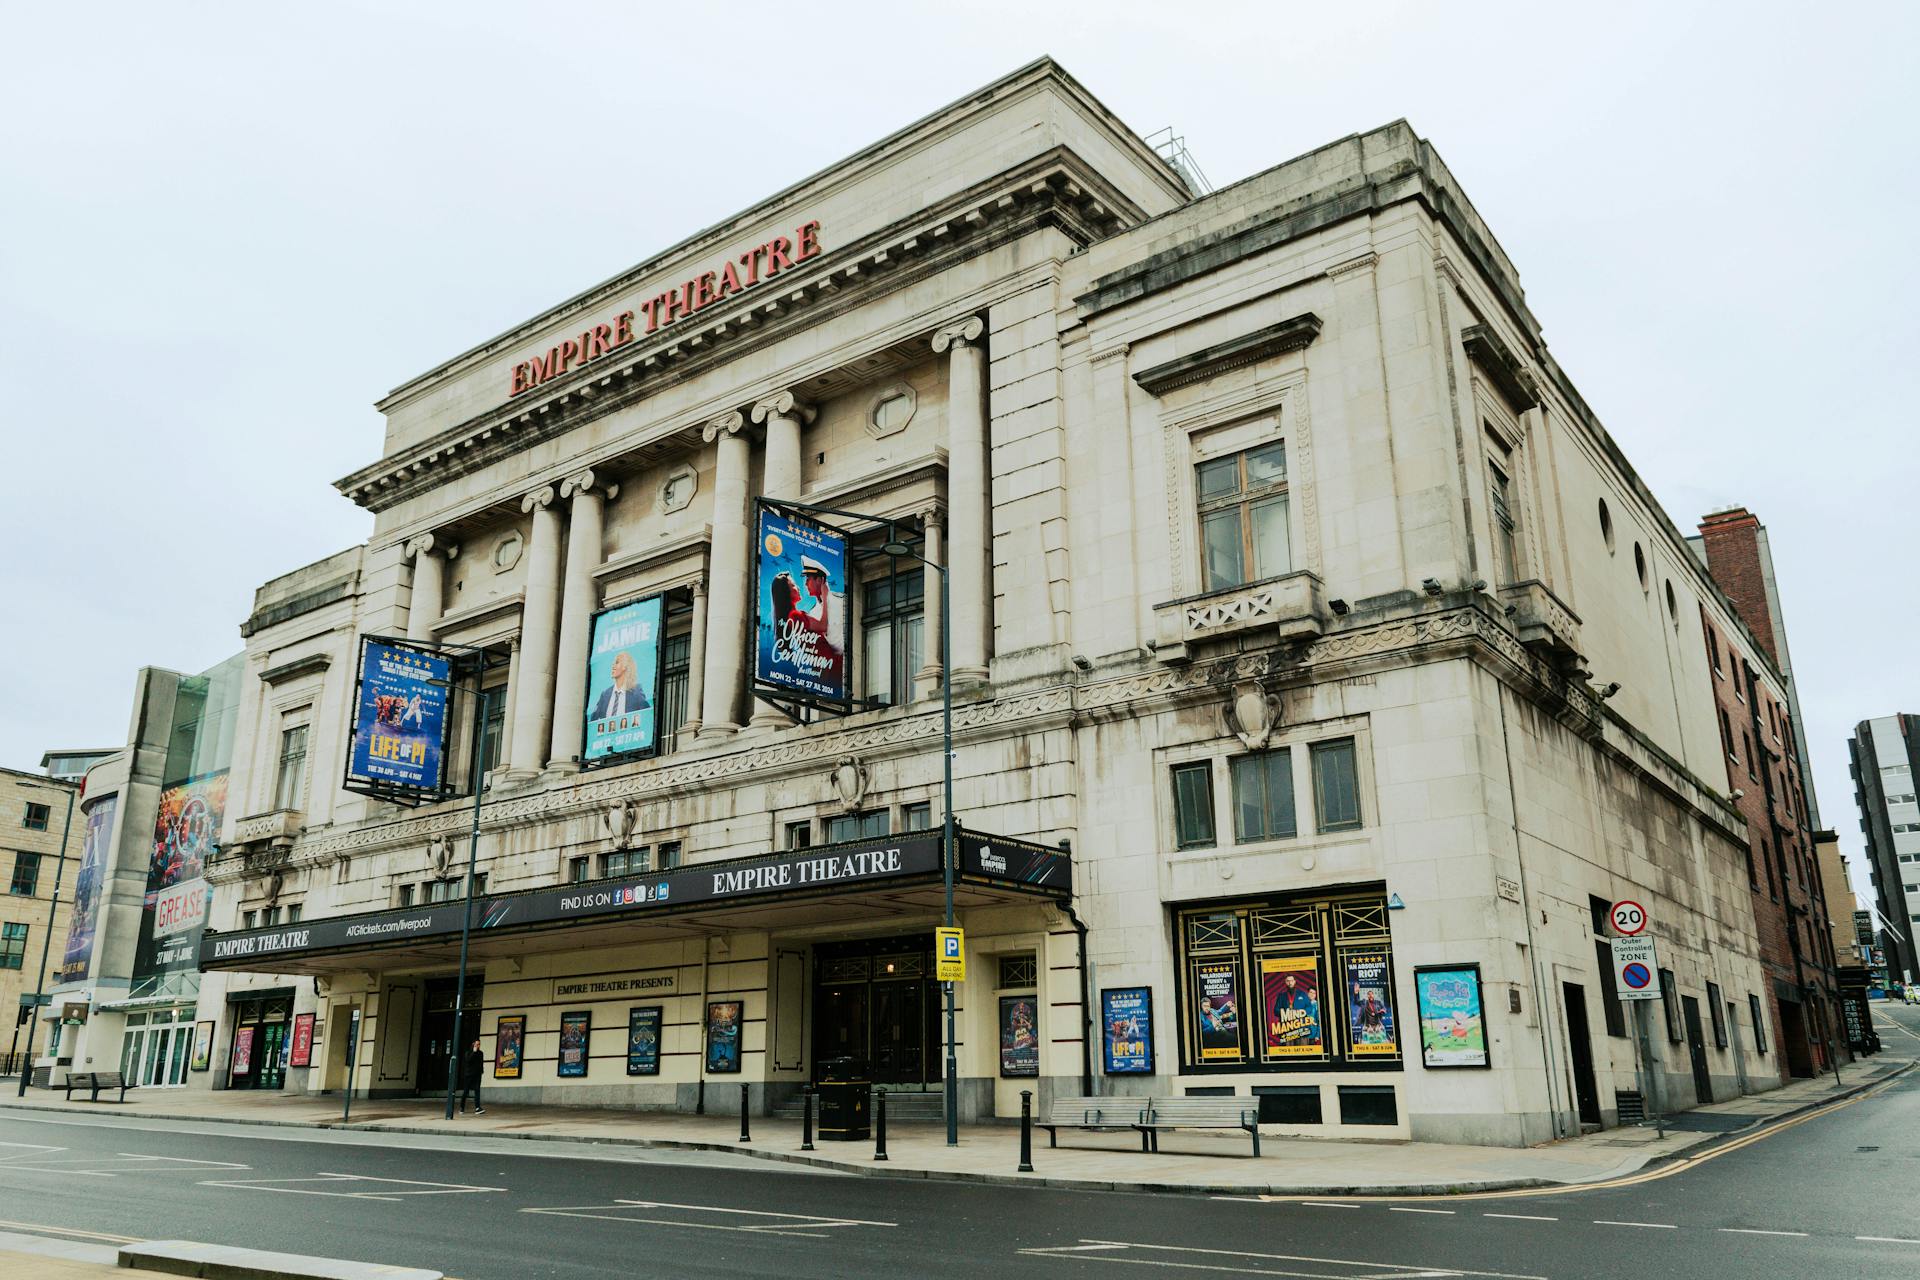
pixel 1629 917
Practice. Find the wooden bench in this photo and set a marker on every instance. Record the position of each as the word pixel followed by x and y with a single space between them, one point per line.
pixel 1095 1114
pixel 1200 1113
pixel 96 1081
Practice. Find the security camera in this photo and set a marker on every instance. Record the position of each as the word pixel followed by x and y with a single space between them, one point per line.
pixel 1736 794
pixel 1431 586
pixel 1082 662
pixel 1610 690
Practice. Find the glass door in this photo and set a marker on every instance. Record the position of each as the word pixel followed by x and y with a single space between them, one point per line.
pixel 154 1068
pixel 272 1071
pixel 898 1050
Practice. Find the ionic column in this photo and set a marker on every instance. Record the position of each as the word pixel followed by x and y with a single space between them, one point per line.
pixel 969 514
pixel 784 417
pixel 926 681
pixel 579 597
pixel 539 609
pixel 429 584
pixel 696 664
pixel 725 655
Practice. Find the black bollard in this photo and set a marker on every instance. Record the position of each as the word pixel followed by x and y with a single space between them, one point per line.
pixel 744 1135
pixel 1026 1131
pixel 880 1124
pixel 806 1120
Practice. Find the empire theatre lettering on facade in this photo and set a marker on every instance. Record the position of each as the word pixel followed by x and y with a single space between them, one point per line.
pixel 1239 557
pixel 691 296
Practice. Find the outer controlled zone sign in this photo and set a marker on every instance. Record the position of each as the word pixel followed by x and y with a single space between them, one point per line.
pixel 1636 973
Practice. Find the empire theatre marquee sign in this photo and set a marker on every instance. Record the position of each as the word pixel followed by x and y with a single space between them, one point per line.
pixel 695 294
pixel 915 856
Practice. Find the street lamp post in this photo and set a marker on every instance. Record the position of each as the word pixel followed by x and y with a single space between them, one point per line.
pixel 46 942
pixel 895 547
pixel 466 914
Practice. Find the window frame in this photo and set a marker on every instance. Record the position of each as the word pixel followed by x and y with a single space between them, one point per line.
pixel 1204 770
pixel 14 935
pixel 1243 499
pixel 1274 827
pixel 25 859
pixel 36 816
pixel 1323 749
pixel 899 618
pixel 290 767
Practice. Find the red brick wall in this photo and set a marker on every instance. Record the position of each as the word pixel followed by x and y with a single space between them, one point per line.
pixel 1732 541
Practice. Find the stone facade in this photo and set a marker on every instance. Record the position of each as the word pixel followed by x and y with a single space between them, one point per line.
pixel 1294 590
pixel 33 820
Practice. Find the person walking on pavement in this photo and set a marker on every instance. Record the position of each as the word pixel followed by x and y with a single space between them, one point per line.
pixel 471 1064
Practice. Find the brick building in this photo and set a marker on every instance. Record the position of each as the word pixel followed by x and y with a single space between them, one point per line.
pixel 1766 778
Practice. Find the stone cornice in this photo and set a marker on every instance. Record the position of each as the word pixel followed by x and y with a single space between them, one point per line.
pixel 1508 374
pixel 311 665
pixel 1056 190
pixel 496 609
pixel 1289 335
pixel 1055 701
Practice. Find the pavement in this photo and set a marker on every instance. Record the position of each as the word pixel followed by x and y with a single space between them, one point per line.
pixel 1216 1163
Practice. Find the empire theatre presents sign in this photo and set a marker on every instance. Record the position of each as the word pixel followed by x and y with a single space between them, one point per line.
pixel 690 296
pixel 797 872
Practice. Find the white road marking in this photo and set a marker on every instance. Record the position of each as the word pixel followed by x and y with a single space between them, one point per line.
pixel 1520 1217
pixel 1658 1226
pixel 1375 1270
pixel 389 1188
pixel 1325 1204
pixel 810 1226
pixel 1756 1231
pixel 118 1165
pixel 1403 1209
pixel 1886 1240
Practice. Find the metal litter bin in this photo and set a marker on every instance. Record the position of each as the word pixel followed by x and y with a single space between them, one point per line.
pixel 846 1114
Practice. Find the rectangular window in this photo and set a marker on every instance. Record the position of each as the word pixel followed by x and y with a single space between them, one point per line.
pixel 676 654
pixel 270 917
pixel 290 777
pixel 1609 998
pixel 248 919
pixel 1242 501
pixel 406 895
pixel 1017 972
pixel 1718 1008
pixel 493 724
pixel 26 874
pixel 293 913
pixel 1726 736
pixel 799 835
pixel 1193 805
pixel 892 636
pixel 917 817
pixel 576 870
pixel 13 945
pixel 857 826
pixel 669 855
pixel 1506 555
pixel 613 864
pixel 479 885
pixel 1670 1002
pixel 1759 1023
pixel 36 816
pixel 1263 796
pixel 1336 785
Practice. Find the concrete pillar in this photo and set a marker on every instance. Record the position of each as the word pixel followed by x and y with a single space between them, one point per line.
pixel 579 597
pixel 429 585
pixel 696 660
pixel 725 655
pixel 784 417
pixel 926 681
pixel 539 609
pixel 970 548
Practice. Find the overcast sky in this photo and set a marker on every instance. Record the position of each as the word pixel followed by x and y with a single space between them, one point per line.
pixel 229 229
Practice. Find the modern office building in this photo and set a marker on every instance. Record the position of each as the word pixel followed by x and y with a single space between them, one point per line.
pixel 1322 673
pixel 1885 758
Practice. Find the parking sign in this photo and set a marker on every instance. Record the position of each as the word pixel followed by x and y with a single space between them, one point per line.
pixel 950 955
pixel 1636 973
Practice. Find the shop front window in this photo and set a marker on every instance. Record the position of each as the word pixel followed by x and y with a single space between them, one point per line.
pixel 1294 983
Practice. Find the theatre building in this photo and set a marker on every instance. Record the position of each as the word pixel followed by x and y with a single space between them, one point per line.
pixel 1321 670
